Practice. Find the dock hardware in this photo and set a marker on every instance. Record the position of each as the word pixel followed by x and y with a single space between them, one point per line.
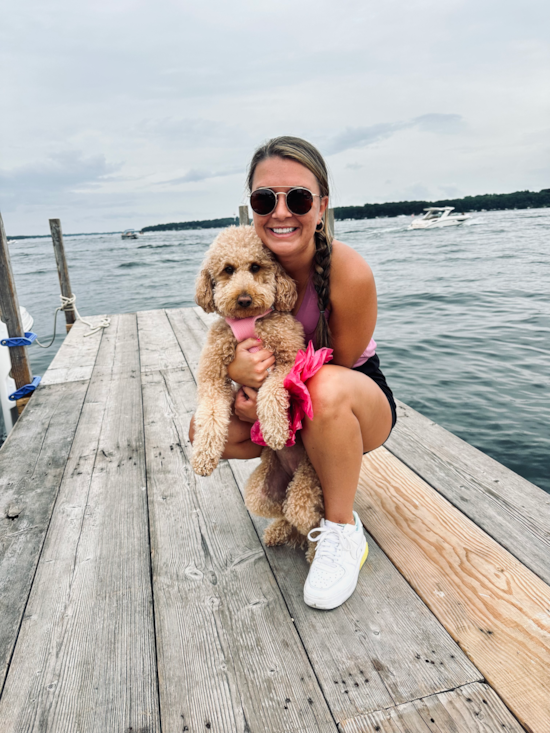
pixel 25 340
pixel 25 390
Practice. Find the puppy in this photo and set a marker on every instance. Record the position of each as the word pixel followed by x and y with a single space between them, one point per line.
pixel 240 279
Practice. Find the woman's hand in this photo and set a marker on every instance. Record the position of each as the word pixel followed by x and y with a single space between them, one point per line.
pixel 245 404
pixel 250 369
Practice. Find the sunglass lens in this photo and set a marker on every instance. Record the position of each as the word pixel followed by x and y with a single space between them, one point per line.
pixel 263 201
pixel 299 201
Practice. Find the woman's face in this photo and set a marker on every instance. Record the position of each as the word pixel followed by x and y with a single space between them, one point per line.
pixel 281 231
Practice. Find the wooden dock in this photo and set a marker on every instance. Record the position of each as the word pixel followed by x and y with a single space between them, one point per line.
pixel 136 597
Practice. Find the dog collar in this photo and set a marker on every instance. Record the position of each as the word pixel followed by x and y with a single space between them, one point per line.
pixel 243 328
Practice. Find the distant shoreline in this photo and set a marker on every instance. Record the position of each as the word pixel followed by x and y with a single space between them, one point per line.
pixel 484 202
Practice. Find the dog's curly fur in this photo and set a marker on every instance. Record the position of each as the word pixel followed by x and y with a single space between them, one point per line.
pixel 237 264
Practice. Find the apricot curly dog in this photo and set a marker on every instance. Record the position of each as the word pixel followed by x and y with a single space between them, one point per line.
pixel 240 278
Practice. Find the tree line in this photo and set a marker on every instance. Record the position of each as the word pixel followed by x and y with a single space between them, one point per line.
pixel 205 224
pixel 487 202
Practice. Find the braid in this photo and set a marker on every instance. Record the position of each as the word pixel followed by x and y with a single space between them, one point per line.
pixel 321 282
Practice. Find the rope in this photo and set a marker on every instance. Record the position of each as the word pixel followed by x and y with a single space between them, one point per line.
pixel 68 304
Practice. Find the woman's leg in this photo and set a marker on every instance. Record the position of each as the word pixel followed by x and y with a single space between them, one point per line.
pixel 351 415
pixel 238 443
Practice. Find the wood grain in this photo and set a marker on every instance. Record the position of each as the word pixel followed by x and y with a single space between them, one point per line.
pixel 85 656
pixel 473 708
pixel 76 359
pixel 62 269
pixel 515 512
pixel 493 606
pixel 383 646
pixel 32 464
pixel 11 315
pixel 228 653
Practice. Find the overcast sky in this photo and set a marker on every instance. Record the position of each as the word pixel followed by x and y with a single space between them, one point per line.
pixel 124 113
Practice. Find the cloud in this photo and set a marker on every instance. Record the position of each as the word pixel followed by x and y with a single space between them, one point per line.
pixel 440 123
pixel 194 175
pixel 361 137
pixel 185 132
pixel 60 173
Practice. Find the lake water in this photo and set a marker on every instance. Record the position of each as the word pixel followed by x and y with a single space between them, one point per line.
pixel 464 314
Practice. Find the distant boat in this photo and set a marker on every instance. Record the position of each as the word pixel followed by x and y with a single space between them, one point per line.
pixel 129 234
pixel 437 217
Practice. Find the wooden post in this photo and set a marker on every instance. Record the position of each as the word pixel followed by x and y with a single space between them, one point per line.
pixel 330 221
pixel 243 215
pixel 62 269
pixel 11 315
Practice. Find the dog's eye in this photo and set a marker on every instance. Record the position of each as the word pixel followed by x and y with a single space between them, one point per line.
pixel 229 269
pixel 255 268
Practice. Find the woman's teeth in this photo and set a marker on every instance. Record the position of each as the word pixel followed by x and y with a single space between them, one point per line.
pixel 284 231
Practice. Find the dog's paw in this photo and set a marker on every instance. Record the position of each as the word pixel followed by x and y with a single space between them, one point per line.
pixel 278 533
pixel 276 433
pixel 310 552
pixel 202 464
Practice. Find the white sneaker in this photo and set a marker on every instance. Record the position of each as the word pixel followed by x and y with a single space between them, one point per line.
pixel 340 555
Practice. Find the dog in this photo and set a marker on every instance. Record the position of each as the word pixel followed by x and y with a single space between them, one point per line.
pixel 240 278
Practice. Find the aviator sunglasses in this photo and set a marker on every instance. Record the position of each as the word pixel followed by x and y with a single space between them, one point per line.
pixel 299 201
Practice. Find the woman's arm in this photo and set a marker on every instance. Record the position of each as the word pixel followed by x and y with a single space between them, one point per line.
pixel 353 304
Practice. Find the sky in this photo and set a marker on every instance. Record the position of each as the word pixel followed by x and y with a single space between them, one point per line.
pixel 126 113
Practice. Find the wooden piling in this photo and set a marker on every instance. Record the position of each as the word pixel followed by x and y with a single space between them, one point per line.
pixel 62 269
pixel 330 221
pixel 11 315
pixel 243 215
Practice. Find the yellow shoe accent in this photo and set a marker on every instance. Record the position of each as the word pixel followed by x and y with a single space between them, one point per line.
pixel 363 559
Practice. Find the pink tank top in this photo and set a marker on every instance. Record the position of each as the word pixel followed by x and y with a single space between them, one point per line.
pixel 308 315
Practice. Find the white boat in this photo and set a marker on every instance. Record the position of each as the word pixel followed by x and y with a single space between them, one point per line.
pixel 7 385
pixel 437 217
pixel 129 234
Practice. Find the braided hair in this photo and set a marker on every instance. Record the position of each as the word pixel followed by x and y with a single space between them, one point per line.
pixel 303 152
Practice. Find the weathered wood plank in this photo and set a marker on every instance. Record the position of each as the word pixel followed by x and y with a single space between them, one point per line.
pixel 85 656
pixel 491 604
pixel 76 358
pixel 515 512
pixel 384 646
pixel 32 463
pixel 62 269
pixel 228 653
pixel 473 708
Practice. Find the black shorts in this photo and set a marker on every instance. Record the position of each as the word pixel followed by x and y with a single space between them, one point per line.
pixel 372 369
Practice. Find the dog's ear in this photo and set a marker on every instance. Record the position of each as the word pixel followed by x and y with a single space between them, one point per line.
pixel 204 291
pixel 285 290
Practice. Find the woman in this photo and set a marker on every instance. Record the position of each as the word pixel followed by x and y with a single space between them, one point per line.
pixel 354 410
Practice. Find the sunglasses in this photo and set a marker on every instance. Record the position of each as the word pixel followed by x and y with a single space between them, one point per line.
pixel 299 201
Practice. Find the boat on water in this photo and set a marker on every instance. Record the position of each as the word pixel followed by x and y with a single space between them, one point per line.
pixel 129 234
pixel 437 217
pixel 7 384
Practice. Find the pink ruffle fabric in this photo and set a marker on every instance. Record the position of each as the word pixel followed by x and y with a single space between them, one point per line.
pixel 307 364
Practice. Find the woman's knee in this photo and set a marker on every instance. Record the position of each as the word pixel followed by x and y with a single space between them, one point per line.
pixel 329 392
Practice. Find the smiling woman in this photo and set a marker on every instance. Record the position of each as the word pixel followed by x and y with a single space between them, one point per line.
pixel 354 410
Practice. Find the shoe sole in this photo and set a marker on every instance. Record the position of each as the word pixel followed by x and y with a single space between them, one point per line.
pixel 321 604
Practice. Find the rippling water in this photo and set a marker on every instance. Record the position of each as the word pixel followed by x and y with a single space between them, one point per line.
pixel 464 317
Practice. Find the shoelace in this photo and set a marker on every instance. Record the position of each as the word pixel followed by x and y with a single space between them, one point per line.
pixel 330 540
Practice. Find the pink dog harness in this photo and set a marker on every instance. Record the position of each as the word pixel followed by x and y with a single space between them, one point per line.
pixel 243 328
pixel 306 364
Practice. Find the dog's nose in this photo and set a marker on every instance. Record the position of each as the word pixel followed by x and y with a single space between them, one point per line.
pixel 244 300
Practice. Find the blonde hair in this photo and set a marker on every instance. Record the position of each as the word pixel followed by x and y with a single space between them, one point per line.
pixel 294 148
